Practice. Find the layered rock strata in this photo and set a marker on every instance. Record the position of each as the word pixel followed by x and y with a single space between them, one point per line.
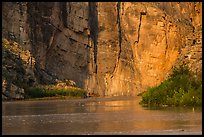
pixel 110 48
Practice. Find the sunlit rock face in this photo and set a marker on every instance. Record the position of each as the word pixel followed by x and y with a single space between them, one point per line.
pixel 114 48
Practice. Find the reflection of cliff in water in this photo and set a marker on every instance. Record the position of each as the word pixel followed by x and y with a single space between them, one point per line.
pixel 119 115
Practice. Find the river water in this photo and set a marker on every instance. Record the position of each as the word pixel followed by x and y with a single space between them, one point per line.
pixel 97 116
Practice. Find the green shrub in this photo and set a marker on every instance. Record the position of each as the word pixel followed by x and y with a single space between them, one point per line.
pixel 34 92
pixel 181 88
pixel 39 92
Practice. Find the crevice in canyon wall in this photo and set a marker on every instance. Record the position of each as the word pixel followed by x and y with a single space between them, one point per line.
pixel 33 31
pixel 118 21
pixel 119 29
pixel 138 33
pixel 166 37
pixel 64 13
pixel 93 26
pixel 166 42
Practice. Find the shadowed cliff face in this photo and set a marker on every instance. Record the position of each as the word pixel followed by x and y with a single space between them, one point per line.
pixel 113 48
pixel 93 26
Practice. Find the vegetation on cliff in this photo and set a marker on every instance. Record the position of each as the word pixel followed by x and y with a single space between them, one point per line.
pixel 44 91
pixel 182 88
pixel 61 89
pixel 19 80
pixel 13 65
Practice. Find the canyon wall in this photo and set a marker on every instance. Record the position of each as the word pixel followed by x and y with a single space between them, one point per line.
pixel 108 48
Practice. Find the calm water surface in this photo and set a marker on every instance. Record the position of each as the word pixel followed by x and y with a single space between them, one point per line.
pixel 109 116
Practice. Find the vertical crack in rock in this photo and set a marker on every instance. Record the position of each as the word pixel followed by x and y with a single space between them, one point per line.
pixel 93 26
pixel 118 21
pixel 119 29
pixel 166 38
pixel 166 42
pixel 33 33
pixel 138 33
pixel 64 14
pixel 51 45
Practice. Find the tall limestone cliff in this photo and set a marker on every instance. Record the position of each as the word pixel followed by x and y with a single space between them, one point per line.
pixel 109 48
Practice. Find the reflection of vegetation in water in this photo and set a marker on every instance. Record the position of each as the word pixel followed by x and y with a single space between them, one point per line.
pixel 51 91
pixel 181 89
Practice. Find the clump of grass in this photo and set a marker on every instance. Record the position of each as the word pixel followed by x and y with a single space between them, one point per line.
pixel 180 89
pixel 45 91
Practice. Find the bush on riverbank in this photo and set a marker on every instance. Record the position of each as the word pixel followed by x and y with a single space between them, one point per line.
pixel 181 89
pixel 51 91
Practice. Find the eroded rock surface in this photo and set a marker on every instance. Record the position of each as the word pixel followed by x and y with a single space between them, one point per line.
pixel 114 48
